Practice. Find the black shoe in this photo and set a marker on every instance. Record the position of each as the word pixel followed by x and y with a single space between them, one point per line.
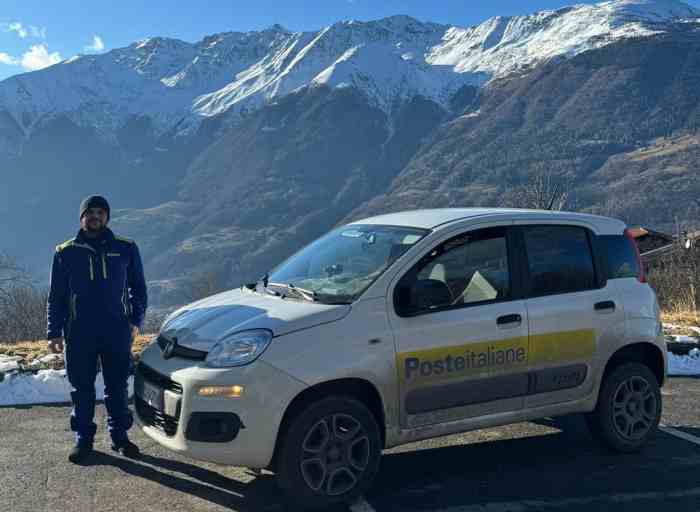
pixel 80 453
pixel 127 449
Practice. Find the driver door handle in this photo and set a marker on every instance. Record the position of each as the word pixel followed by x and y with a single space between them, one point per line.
pixel 606 305
pixel 509 319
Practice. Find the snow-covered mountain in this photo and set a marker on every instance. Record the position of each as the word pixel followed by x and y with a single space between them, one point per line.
pixel 177 84
pixel 226 154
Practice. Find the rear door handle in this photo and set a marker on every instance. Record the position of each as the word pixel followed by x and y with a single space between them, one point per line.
pixel 606 305
pixel 509 319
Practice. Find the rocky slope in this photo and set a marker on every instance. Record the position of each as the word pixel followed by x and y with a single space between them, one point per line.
pixel 225 155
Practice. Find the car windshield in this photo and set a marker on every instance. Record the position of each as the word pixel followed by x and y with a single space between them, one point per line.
pixel 340 266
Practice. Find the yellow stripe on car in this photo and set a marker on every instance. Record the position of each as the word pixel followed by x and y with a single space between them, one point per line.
pixel 459 361
pixel 562 346
pixel 501 356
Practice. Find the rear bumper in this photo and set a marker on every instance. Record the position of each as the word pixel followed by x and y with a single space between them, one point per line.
pixel 232 431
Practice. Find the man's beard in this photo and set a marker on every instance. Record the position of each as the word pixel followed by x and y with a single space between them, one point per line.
pixel 94 230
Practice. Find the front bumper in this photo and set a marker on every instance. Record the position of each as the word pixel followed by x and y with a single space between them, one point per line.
pixel 247 426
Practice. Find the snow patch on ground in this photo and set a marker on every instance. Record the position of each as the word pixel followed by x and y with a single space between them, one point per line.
pixel 681 338
pixel 684 365
pixel 46 386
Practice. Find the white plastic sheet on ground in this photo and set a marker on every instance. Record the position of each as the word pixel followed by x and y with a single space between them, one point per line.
pixel 46 386
pixel 684 365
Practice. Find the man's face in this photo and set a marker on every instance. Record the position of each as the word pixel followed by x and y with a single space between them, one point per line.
pixel 95 219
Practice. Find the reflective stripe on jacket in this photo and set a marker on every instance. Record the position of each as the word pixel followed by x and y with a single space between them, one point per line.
pixel 96 284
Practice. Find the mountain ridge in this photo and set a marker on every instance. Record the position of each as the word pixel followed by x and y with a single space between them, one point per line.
pixel 320 127
pixel 178 84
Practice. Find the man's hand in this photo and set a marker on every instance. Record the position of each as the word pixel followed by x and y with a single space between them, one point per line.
pixel 56 345
pixel 134 332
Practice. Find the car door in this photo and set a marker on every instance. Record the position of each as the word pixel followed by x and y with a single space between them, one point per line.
pixel 460 330
pixel 572 312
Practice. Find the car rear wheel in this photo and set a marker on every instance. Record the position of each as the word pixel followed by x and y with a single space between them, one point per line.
pixel 329 453
pixel 628 410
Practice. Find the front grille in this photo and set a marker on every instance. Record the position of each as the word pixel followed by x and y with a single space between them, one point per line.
pixel 155 418
pixel 156 378
pixel 180 351
pixel 148 414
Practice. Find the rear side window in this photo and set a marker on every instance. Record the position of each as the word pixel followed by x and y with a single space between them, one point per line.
pixel 622 257
pixel 559 260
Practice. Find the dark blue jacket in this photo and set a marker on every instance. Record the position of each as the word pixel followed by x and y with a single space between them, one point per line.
pixel 96 283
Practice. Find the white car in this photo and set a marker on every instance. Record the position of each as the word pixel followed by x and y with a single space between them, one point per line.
pixel 405 327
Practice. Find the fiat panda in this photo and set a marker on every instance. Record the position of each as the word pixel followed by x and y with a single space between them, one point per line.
pixel 404 327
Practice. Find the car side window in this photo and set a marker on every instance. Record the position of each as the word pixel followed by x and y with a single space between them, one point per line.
pixel 559 260
pixel 468 269
pixel 622 258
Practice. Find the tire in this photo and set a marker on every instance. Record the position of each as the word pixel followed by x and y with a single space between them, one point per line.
pixel 316 465
pixel 628 410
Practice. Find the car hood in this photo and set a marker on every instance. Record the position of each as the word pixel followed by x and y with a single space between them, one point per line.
pixel 203 323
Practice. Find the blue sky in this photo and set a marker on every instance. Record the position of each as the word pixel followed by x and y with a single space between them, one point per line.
pixel 36 33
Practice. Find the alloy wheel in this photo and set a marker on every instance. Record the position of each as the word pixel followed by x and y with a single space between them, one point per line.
pixel 634 408
pixel 335 454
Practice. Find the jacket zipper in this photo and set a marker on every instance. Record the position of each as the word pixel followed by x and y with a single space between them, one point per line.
pixel 92 270
pixel 104 266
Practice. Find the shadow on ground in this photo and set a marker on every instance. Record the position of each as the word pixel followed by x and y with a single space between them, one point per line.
pixel 561 469
pixel 259 494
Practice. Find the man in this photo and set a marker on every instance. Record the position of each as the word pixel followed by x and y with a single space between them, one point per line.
pixel 97 301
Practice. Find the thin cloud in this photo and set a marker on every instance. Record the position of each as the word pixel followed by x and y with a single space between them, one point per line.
pixel 8 59
pixel 97 44
pixel 38 32
pixel 22 31
pixel 38 57
pixel 16 27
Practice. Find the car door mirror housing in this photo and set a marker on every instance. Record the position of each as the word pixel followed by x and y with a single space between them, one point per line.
pixel 413 296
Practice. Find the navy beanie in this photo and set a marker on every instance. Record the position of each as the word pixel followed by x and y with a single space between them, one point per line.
pixel 93 202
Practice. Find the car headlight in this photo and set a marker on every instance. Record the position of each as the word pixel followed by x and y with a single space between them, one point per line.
pixel 239 349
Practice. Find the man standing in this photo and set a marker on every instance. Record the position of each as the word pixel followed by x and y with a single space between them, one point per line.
pixel 97 301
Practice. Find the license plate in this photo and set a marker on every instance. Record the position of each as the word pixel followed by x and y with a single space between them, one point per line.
pixel 151 394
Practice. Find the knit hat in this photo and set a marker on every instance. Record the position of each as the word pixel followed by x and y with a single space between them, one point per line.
pixel 94 202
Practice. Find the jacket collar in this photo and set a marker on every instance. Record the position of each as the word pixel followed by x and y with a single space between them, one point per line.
pixel 106 238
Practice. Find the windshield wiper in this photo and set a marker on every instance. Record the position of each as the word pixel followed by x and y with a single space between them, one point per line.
pixel 309 295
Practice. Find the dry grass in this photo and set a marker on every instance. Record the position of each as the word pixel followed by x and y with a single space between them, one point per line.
pixel 684 318
pixel 679 322
pixel 30 350
pixel 665 147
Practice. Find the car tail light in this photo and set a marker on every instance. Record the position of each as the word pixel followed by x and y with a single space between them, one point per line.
pixel 642 274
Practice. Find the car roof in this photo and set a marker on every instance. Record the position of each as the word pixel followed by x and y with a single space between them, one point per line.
pixel 440 218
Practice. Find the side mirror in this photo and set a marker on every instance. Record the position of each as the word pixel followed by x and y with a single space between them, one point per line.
pixel 414 296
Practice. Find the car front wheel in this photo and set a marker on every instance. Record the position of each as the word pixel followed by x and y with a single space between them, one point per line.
pixel 628 410
pixel 329 453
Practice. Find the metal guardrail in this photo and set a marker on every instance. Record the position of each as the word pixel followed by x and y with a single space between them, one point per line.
pixel 660 252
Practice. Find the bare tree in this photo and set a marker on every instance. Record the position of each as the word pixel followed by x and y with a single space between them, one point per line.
pixel 23 313
pixel 676 280
pixel 10 274
pixel 22 305
pixel 543 190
